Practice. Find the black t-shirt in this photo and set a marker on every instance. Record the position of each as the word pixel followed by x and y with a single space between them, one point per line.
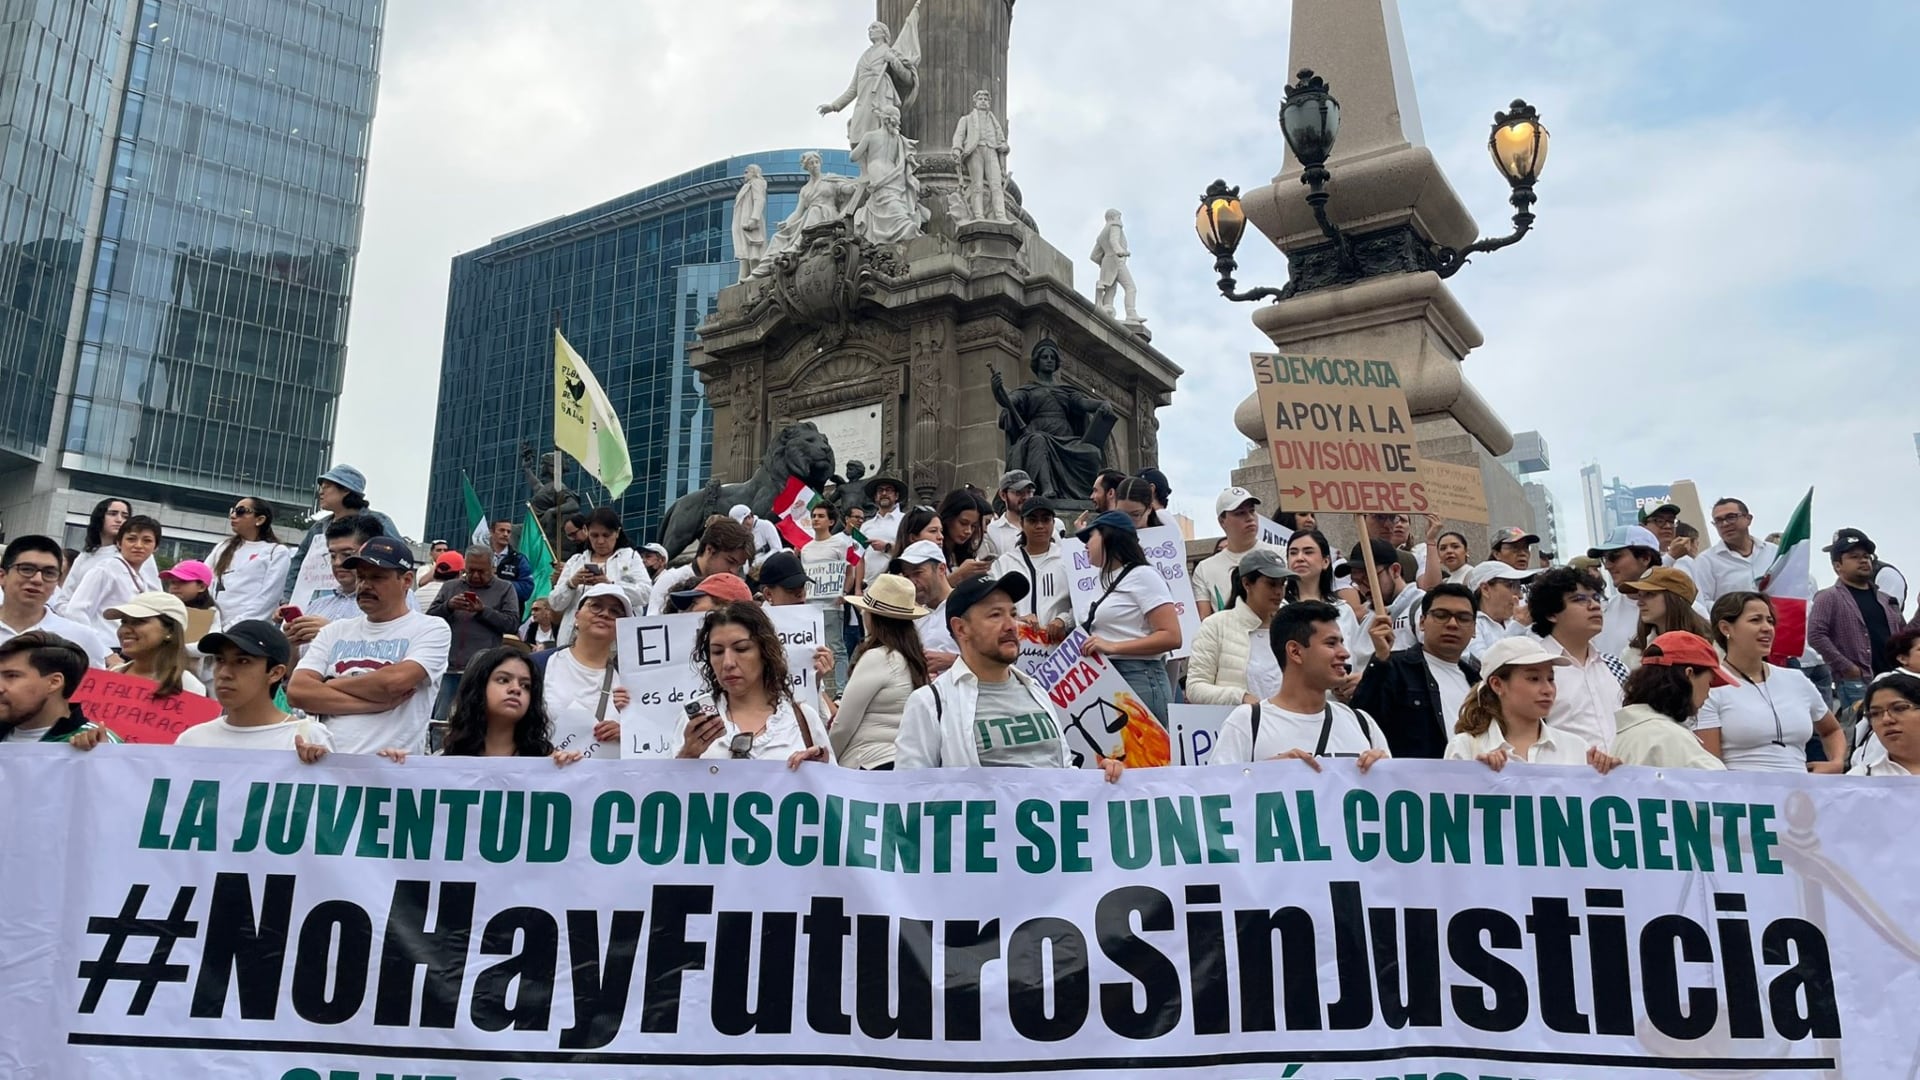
pixel 1868 601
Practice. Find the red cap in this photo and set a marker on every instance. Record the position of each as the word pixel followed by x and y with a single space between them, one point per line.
pixel 1678 648
pixel 451 560
pixel 729 587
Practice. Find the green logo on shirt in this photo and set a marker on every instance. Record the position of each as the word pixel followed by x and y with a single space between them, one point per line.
pixel 1009 731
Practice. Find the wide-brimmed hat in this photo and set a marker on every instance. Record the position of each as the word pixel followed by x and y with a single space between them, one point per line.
pixel 899 485
pixel 890 596
pixel 151 605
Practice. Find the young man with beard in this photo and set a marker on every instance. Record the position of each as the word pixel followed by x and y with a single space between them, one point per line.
pixel 372 679
pixel 1416 693
pixel 1004 531
pixel 38 674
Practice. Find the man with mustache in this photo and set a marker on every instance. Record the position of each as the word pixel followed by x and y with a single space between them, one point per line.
pixel 372 679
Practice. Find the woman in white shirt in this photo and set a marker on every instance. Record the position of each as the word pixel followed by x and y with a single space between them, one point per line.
pixel 1893 708
pixel 604 561
pixel 1217 674
pixel 1766 718
pixel 888 667
pixel 1505 717
pixel 249 567
pixel 121 576
pixel 754 714
pixel 102 543
pixel 1443 557
pixel 1132 621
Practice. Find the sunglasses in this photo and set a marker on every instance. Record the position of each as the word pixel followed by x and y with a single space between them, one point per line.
pixel 242 510
pixel 741 745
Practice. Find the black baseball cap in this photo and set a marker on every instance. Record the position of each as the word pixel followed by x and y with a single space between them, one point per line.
pixel 1850 540
pixel 783 569
pixel 1037 505
pixel 1162 487
pixel 973 590
pixel 382 553
pixel 255 637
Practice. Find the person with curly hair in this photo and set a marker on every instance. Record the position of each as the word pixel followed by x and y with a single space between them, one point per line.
pixel 1664 694
pixel 499 711
pixel 1568 609
pixel 754 713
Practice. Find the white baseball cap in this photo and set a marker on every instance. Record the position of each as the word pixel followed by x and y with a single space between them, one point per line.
pixel 1233 499
pixel 740 512
pixel 1522 650
pixel 923 551
pixel 1495 570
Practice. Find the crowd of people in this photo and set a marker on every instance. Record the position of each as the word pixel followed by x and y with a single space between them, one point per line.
pixel 1648 651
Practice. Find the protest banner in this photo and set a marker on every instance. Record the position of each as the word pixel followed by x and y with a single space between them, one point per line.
pixel 1455 491
pixel 1195 730
pixel 127 706
pixel 573 730
pixel 657 666
pixel 233 915
pixel 1102 715
pixel 1272 532
pixel 1166 552
pixel 1340 434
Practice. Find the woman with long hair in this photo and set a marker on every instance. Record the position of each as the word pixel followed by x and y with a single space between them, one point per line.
pixel 1764 720
pixel 1666 599
pixel 609 557
pixel 1677 671
pixel 888 667
pixel 920 523
pixel 963 518
pixel 102 543
pixel 753 713
pixel 250 566
pixel 1218 672
pixel 1134 498
pixel 500 710
pixel 1310 557
pixel 1893 708
pixel 1133 622
pixel 153 638
pixel 1505 717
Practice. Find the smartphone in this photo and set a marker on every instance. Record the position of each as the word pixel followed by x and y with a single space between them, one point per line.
pixel 288 613
pixel 471 597
pixel 699 705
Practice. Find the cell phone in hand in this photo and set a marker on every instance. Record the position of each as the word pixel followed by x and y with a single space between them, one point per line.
pixel 699 705
pixel 471 597
pixel 288 613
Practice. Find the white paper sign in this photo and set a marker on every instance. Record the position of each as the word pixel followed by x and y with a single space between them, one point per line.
pixel 1272 532
pixel 1196 730
pixel 657 667
pixel 1166 552
pixel 573 730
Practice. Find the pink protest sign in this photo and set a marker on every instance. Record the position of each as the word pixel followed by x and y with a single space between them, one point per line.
pixel 126 705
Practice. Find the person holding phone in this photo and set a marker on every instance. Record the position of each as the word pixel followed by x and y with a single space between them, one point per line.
pixel 480 608
pixel 609 560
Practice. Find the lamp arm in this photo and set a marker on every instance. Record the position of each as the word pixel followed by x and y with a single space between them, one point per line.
pixel 1225 266
pixel 1448 261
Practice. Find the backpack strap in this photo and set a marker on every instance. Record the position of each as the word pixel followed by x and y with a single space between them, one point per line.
pixel 1254 723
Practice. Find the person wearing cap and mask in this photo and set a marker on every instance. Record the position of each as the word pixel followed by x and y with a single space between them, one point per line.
pixel 1238 512
pixel 1629 554
pixel 250 661
pixel 1496 589
pixel 654 557
pixel 1654 726
pixel 984 711
pixel 1505 719
pixel 1851 621
pixel 924 564
pixel 372 679
pixel 766 538
pixel 341 490
pixel 1038 557
pixel 1217 671
pixel 1005 530
pixel 1415 693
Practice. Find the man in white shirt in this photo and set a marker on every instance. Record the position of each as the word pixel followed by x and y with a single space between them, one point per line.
pixel 884 526
pixel 766 538
pixel 1496 587
pixel 30 574
pixel 1628 555
pixel 1238 512
pixel 924 564
pixel 1736 562
pixel 372 679
pixel 1568 610
pixel 1040 559
pixel 1299 721
pixel 1003 532
pixel 1400 598
pixel 725 547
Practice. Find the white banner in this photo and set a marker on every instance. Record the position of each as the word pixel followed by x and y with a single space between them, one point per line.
pixel 658 667
pixel 234 915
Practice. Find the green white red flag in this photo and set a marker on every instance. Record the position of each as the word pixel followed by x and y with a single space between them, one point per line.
pixel 1789 584
pixel 791 510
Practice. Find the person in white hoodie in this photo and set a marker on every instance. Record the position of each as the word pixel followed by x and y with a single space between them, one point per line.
pixel 1217 673
pixel 984 711
pixel 1037 556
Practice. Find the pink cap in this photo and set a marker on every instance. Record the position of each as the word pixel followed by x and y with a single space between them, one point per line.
pixel 189 570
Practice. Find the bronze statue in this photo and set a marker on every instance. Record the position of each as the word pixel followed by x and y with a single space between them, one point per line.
pixel 798 450
pixel 552 504
pixel 1056 433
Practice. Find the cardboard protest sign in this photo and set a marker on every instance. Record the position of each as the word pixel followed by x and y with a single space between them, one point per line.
pixel 657 666
pixel 1166 552
pixel 1196 729
pixel 1455 491
pixel 1104 717
pixel 1685 494
pixel 1340 434
pixel 126 705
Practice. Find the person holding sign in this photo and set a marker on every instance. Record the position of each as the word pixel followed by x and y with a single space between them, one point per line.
pixel 1218 672
pixel 887 668
pixel 1300 721
pixel 499 710
pixel 1893 708
pixel 1505 718
pixel 1048 608
pixel 1133 622
pixel 826 560
pixel 250 662
pixel 582 677
pixel 1396 596
pixel 753 713
pixel 985 711
pixel 38 674
pixel 153 638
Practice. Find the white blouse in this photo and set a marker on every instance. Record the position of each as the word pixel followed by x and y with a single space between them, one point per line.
pixel 778 740
pixel 1122 616
pixel 250 589
pixel 1765 726
pixel 1551 748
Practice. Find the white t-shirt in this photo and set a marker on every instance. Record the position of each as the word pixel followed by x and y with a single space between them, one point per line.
pixel 778 740
pixel 1889 767
pixel 825 561
pixel 1281 731
pixel 86 637
pixel 571 684
pixel 1453 687
pixel 1552 748
pixel 935 635
pixel 1122 616
pixel 351 647
pixel 1213 575
pixel 1764 727
pixel 222 734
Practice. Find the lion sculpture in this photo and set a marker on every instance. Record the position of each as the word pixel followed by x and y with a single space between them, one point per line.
pixel 799 450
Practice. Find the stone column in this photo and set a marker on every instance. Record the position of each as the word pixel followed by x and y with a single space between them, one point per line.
pixel 963 45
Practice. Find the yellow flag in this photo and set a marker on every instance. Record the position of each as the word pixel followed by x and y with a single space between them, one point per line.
pixel 584 424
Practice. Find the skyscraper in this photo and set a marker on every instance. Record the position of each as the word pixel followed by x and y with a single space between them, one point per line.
pixel 182 214
pixel 629 281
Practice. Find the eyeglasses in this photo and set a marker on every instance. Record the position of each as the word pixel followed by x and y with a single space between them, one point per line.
pixel 741 745
pixel 1585 600
pixel 29 571
pixel 1898 711
pixel 242 510
pixel 1729 519
pixel 1457 618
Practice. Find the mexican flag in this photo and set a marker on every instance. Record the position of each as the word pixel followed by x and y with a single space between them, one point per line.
pixel 476 515
pixel 533 544
pixel 790 511
pixel 1789 584
pixel 860 544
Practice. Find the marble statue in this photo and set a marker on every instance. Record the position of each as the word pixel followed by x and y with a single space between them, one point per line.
pixel 1056 433
pixel 1110 252
pixel 826 197
pixel 890 210
pixel 982 149
pixel 551 504
pixel 885 75
pixel 750 221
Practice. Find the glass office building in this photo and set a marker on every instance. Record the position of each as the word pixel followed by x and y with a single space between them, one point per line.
pixel 629 282
pixel 202 165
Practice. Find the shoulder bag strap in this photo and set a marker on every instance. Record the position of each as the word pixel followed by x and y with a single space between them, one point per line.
pixel 800 717
pixel 1095 609
pixel 606 693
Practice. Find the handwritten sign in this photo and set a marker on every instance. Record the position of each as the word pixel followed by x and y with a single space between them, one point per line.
pixel 1274 533
pixel 1196 731
pixel 657 666
pixel 573 730
pixel 1455 491
pixel 1340 434
pixel 1166 552
pixel 126 705
pixel 1104 717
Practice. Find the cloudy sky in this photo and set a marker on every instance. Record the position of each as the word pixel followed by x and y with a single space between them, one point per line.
pixel 1721 285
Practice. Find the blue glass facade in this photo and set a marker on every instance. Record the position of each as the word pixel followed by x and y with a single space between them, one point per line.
pixel 629 282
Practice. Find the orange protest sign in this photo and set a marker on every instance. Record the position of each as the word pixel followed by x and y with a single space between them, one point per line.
pixel 1455 491
pixel 1340 435
pixel 125 705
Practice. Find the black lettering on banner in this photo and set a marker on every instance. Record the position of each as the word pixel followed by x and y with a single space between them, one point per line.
pixel 442 951
pixel 1811 977
pixel 1418 1001
pixel 1031 946
pixel 1736 968
pixel 600 988
pixel 1354 1009
pixel 734 948
pixel 1609 963
pixel 1253 932
pixel 1553 931
pixel 970 946
pixel 1159 980
pixel 874 971
pixel 1207 962
pixel 525 977
pixel 251 952
pixel 827 928
pixel 1510 1004
pixel 671 954
pixel 1660 977
pixel 319 962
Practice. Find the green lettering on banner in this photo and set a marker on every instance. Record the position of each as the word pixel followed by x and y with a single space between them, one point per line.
pixel 658 835
pixel 1449 815
pixel 1273 828
pixel 754 845
pixel 1073 838
pixel 1361 806
pixel 861 834
pixel 605 845
pixel 1764 840
pixel 1654 835
pixel 706 828
pixel 1030 820
pixel 413 824
pixel 900 838
pixel 333 819
pixel 830 834
pixel 456 803
pixel 1218 830
pixel 979 834
pixel 943 812
pixel 549 827
pixel 1613 834
pixel 797 809
pixel 1177 830
pixel 153 833
pixel 1693 835
pixel 1129 827
pixel 1563 830
pixel 1406 827
pixel 373 822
